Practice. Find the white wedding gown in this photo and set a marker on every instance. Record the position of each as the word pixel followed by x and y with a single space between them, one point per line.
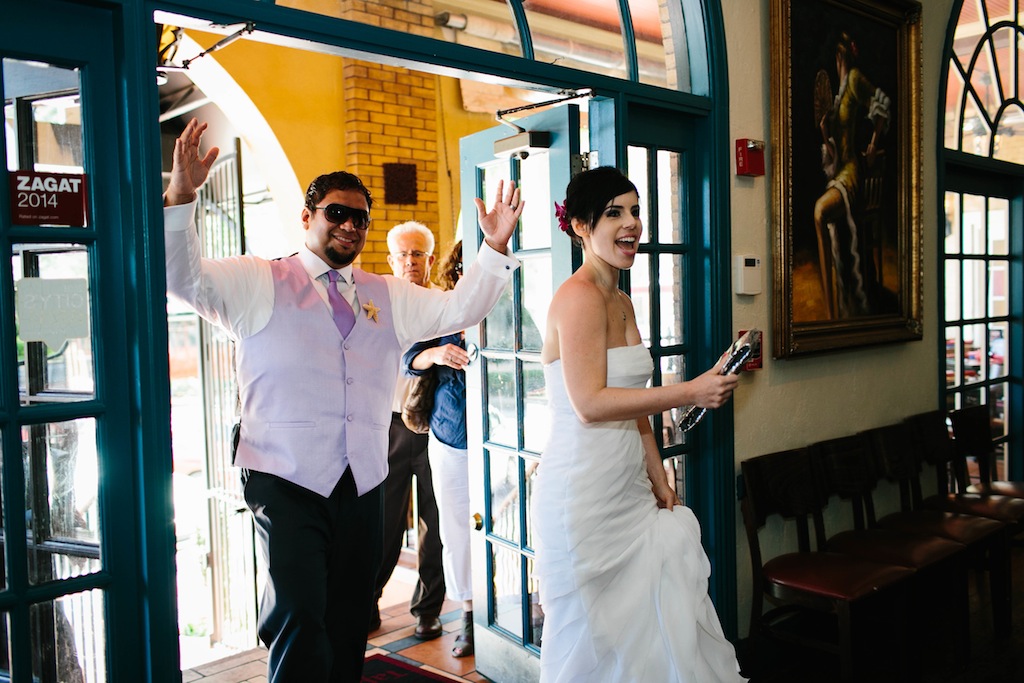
pixel 623 584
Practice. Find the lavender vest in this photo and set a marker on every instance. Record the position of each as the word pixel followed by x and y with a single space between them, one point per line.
pixel 310 396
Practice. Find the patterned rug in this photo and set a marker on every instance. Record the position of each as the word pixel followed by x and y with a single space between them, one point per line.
pixel 384 668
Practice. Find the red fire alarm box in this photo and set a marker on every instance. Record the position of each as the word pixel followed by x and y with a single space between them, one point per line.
pixel 754 362
pixel 749 157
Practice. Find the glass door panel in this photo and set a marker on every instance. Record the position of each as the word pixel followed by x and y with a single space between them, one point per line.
pixel 506 392
pixel 74 391
pixel 52 305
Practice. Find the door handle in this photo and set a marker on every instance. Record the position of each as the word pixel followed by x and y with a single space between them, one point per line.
pixel 477 522
pixel 473 351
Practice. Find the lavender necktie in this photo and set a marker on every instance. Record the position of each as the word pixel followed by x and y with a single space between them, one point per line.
pixel 344 318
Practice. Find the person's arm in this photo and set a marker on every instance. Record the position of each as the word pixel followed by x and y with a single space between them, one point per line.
pixel 500 222
pixel 235 293
pixel 663 493
pixel 579 316
pixel 188 169
pixel 422 356
pixel 431 313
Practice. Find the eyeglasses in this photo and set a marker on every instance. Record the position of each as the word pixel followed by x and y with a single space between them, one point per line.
pixel 414 254
pixel 339 214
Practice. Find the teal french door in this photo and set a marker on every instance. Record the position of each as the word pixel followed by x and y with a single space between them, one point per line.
pixel 72 577
pixel 506 413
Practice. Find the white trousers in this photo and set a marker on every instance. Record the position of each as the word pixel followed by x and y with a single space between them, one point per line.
pixel 450 469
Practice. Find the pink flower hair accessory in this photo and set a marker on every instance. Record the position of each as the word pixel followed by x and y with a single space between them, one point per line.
pixel 563 222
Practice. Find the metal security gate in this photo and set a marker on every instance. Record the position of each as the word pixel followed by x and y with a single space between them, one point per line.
pixel 232 559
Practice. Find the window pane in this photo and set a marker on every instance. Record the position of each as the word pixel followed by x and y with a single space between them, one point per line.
pixel 998 288
pixel 975 365
pixel 530 476
pixel 997 394
pixel 536 418
pixel 997 349
pixel 952 356
pixel 502 419
pixel 499 326
pixel 977 132
pixel 952 290
pixel 539 213
pixel 670 282
pixel 974 224
pixel 954 93
pixel 536 293
pixel 660 45
pixel 585 36
pixel 508 589
pixel 53 302
pixel 62 487
pixel 952 236
pixel 998 226
pixel 1009 140
pixel 483 24
pixel 975 278
pixel 68 639
pixel 536 613
pixel 504 475
pixel 670 214
pixel 637 171
pixel 53 132
pixel 43 128
pixel 673 371
pixel 640 293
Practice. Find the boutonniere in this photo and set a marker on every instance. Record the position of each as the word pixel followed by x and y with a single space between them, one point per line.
pixel 371 310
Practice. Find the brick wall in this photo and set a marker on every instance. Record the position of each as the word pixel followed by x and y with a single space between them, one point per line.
pixel 390 117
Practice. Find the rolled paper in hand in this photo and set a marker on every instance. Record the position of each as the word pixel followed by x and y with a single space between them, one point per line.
pixel 738 354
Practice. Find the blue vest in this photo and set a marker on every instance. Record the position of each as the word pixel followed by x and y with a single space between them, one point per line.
pixel 313 402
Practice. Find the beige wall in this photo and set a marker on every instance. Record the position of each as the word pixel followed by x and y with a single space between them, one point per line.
pixel 791 403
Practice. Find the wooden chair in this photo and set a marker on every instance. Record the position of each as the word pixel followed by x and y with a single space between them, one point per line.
pixel 807 583
pixel 940 586
pixel 898 454
pixel 936 446
pixel 972 437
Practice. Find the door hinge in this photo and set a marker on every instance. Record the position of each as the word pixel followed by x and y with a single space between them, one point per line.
pixel 580 163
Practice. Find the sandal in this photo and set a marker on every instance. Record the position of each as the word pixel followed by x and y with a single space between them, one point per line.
pixel 464 642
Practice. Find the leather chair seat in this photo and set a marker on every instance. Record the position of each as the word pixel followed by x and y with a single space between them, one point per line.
pixel 894 546
pixel 830 575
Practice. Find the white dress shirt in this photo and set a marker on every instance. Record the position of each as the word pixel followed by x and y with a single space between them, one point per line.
pixel 237 293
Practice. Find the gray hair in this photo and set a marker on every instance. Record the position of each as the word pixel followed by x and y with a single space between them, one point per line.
pixel 405 229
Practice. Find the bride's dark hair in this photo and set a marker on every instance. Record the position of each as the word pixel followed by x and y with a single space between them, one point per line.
pixel 589 193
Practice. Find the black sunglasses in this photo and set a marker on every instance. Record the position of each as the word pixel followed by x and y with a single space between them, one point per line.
pixel 339 213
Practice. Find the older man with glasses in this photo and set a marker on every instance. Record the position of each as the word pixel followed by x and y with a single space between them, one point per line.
pixel 411 256
pixel 318 345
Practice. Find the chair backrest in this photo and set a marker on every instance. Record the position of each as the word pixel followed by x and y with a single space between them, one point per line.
pixel 934 447
pixel 785 484
pixel 972 437
pixel 892 450
pixel 849 473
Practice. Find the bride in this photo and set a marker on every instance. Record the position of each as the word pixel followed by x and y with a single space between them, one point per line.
pixel 623 577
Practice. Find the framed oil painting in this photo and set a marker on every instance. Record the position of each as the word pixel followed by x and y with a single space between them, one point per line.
pixel 846 164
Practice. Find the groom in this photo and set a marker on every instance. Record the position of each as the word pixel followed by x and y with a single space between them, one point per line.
pixel 318 344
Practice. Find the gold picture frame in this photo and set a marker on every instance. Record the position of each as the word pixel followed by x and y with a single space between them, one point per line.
pixel 846 170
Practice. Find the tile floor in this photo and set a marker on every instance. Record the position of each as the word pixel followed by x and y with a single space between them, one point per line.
pixel 395 638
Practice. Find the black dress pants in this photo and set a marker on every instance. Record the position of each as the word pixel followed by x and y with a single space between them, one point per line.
pixel 407 455
pixel 322 556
